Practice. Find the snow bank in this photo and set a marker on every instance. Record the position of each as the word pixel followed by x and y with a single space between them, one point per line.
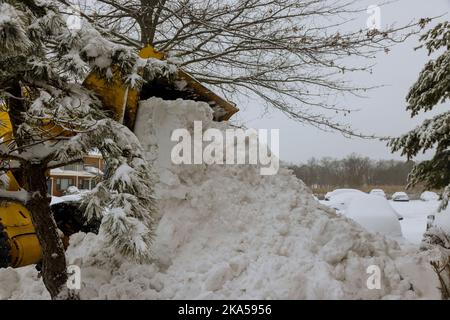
pixel 228 232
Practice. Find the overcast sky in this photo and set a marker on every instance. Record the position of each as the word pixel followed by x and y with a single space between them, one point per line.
pixel 382 112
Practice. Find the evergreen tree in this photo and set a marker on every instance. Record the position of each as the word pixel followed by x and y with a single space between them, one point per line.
pixel 431 89
pixel 55 121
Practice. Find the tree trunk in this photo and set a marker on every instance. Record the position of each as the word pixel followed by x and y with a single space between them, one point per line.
pixel 145 24
pixel 145 21
pixel 54 268
pixel 32 177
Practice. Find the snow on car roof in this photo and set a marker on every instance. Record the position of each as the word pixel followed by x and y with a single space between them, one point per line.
pixel 375 214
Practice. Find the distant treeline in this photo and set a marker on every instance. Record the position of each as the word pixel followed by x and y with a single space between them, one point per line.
pixel 353 171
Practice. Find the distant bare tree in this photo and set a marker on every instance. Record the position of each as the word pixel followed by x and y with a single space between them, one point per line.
pixel 354 171
pixel 290 55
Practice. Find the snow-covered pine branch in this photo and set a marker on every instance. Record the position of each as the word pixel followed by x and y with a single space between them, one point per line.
pixel 431 89
pixel 124 199
pixel 55 120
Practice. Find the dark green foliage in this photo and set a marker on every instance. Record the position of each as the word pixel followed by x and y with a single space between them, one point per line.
pixel 430 90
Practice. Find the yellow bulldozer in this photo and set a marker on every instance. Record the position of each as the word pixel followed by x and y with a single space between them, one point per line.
pixel 19 245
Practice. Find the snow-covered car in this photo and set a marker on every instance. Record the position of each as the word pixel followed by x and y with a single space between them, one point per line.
pixel 378 192
pixel 340 202
pixel 400 196
pixel 338 192
pixel 429 196
pixel 375 214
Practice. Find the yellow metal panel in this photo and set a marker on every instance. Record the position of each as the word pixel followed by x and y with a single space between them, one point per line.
pixel 149 52
pixel 18 226
pixel 16 218
pixel 13 185
pixel 118 98
pixel 25 250
pixel 6 136
pixel 5 126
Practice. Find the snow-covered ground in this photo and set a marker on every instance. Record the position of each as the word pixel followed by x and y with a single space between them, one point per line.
pixel 226 232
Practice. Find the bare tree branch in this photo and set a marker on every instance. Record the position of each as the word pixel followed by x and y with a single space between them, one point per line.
pixel 265 49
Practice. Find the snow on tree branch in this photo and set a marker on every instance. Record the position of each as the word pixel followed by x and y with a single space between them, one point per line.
pixel 56 120
pixel 431 89
pixel 424 137
pixel 124 199
pixel 433 84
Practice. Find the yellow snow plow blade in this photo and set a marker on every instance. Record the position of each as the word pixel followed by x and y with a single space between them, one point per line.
pixel 122 101
pixel 209 96
pixel 117 97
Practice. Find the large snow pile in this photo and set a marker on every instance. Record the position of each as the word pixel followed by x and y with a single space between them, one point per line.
pixel 227 232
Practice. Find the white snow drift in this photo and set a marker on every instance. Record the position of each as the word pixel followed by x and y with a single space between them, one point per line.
pixel 228 232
